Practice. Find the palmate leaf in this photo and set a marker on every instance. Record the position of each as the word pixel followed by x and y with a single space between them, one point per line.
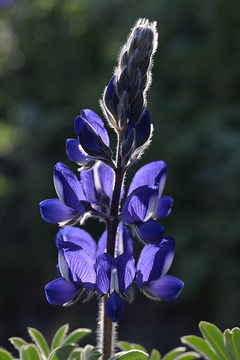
pixel 173 353
pixel 40 341
pixel 76 335
pixel 62 352
pixel 5 355
pixel 214 337
pixel 94 355
pixel 59 336
pixel 199 344
pixel 155 355
pixel 17 342
pixel 75 354
pixel 189 355
pixel 232 343
pixel 130 355
pixel 86 351
pixel 124 345
pixel 29 352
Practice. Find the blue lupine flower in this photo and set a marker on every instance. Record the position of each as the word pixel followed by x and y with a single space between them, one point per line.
pixel 97 185
pixel 146 203
pixel 76 260
pixel 69 207
pixel 153 264
pixel 93 140
pixel 82 264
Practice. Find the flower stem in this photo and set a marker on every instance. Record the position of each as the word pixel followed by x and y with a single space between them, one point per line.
pixel 112 225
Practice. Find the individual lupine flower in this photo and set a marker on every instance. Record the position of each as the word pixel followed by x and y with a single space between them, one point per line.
pixel 93 140
pixel 145 202
pixel 97 185
pixel 69 206
pixel 76 259
pixel 153 264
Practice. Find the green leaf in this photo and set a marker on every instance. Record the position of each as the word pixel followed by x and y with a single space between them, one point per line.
pixel 124 345
pixel 75 354
pixel 17 342
pixel 187 356
pixel 59 336
pixel 155 355
pixel 215 339
pixel 62 352
pixel 40 341
pixel 131 355
pixel 76 335
pixel 86 351
pixel 94 355
pixel 231 345
pixel 5 355
pixel 171 354
pixel 29 352
pixel 199 344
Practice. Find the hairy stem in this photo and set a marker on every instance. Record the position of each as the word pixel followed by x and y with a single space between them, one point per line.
pixel 112 225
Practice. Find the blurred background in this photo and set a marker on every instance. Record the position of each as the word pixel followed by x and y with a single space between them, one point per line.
pixel 55 58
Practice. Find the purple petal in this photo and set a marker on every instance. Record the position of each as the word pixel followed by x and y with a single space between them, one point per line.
pixel 74 153
pixel 68 187
pixel 102 244
pixel 53 211
pixel 140 205
pixel 164 207
pixel 72 235
pixel 103 268
pixel 150 231
pixel 154 261
pixel 96 122
pixel 143 129
pixel 60 291
pixel 124 242
pixel 153 173
pixel 81 267
pixel 91 139
pixel 98 184
pixel 166 288
pixel 114 307
pixel 126 271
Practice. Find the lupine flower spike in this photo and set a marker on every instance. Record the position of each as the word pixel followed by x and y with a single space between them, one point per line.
pixel 108 267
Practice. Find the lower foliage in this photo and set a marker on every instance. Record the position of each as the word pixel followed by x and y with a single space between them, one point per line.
pixel 213 345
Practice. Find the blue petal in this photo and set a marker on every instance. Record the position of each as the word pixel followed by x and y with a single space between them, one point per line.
pixel 154 261
pixel 140 205
pixel 124 242
pixel 92 117
pixel 143 129
pixel 102 244
pixel 53 211
pixel 91 139
pixel 164 207
pixel 153 173
pixel 68 187
pixel 126 271
pixel 150 231
pixel 114 307
pixel 98 184
pixel 81 267
pixel 103 268
pixel 166 288
pixel 71 235
pixel 74 153
pixel 96 122
pixel 60 291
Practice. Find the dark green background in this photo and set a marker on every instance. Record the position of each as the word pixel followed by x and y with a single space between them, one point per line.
pixel 55 58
